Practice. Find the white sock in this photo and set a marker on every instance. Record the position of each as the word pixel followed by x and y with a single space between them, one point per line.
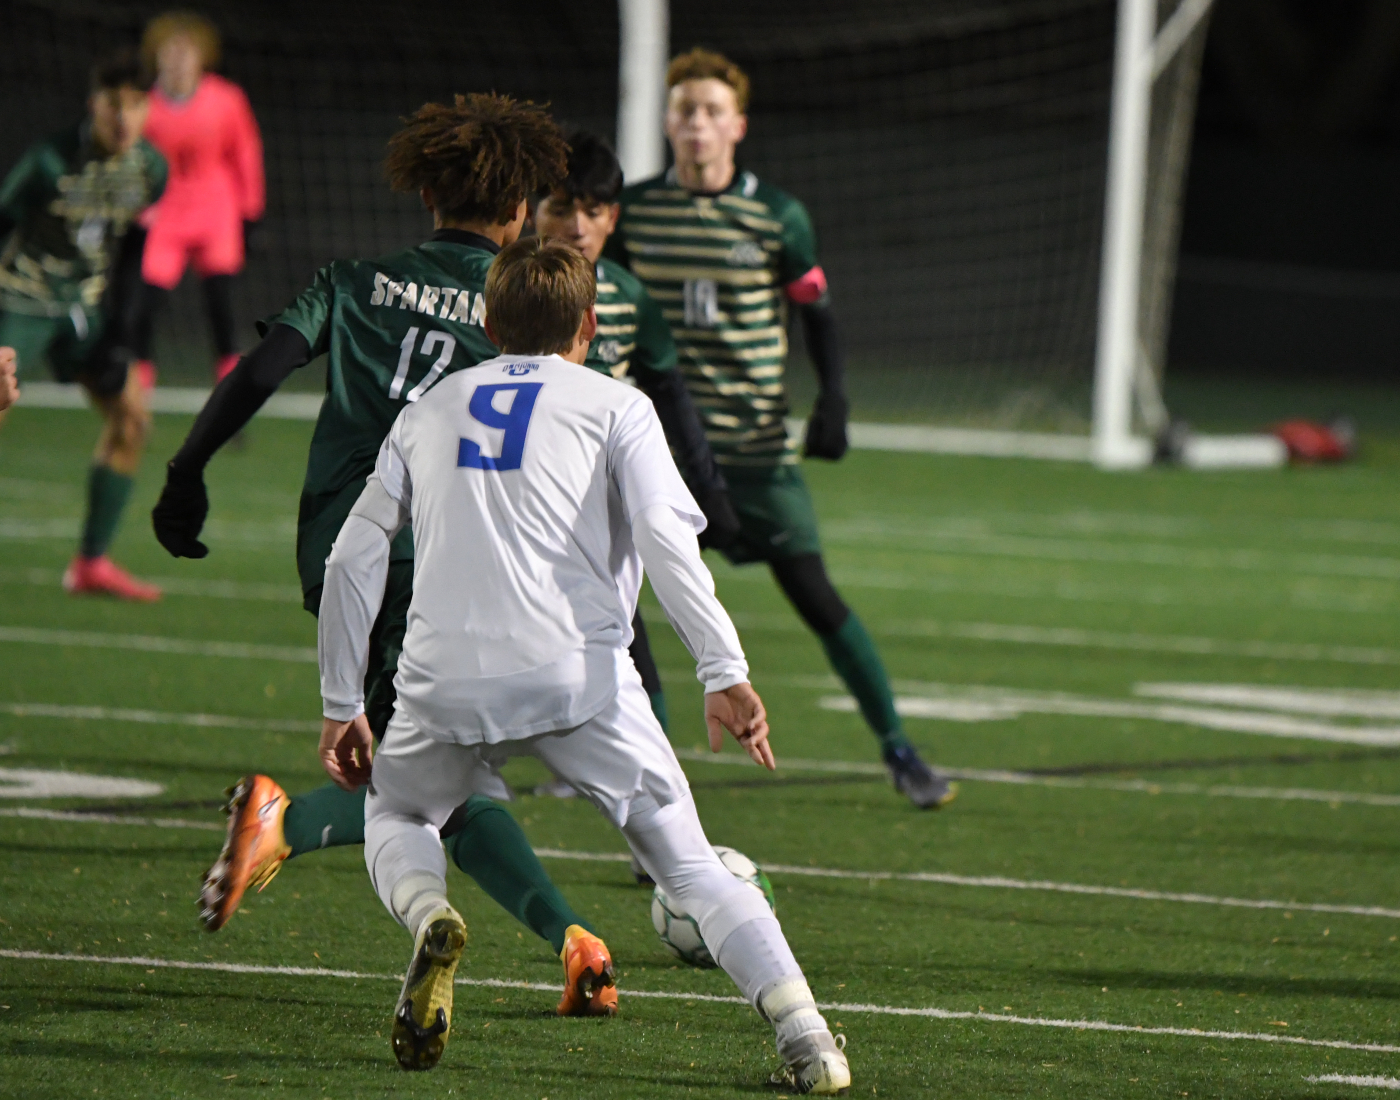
pixel 789 1006
pixel 417 895
pixel 755 955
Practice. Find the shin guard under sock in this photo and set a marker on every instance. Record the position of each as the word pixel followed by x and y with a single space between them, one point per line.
pixel 491 847
pixel 852 654
pixel 327 817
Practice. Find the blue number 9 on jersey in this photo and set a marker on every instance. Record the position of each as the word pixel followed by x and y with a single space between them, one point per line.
pixel 515 422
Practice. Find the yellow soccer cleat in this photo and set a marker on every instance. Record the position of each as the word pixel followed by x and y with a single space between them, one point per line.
pixel 254 848
pixel 589 986
pixel 423 1017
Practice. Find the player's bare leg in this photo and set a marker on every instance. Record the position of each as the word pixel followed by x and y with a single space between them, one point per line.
pixel 126 428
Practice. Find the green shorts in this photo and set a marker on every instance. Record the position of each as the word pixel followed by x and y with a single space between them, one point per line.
pixel 68 342
pixel 776 517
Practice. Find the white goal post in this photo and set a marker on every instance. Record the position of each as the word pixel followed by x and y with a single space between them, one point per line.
pixel 1122 368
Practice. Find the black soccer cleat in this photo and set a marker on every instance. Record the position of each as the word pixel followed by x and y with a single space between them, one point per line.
pixel 917 781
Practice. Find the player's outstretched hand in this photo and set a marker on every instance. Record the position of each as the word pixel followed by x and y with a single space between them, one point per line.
pixel 721 521
pixel 826 427
pixel 740 711
pixel 347 751
pixel 179 514
pixel 9 388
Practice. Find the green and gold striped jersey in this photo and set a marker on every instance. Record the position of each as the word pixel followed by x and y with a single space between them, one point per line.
pixel 631 330
pixel 70 204
pixel 717 266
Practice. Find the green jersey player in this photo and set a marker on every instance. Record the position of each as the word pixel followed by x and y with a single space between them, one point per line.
pixel 634 343
pixel 725 254
pixel 390 328
pixel 69 272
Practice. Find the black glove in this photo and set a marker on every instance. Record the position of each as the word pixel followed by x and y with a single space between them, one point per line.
pixel 723 522
pixel 179 514
pixel 826 428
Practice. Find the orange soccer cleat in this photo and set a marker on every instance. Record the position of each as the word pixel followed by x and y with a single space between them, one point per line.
pixel 103 577
pixel 254 848
pixel 589 986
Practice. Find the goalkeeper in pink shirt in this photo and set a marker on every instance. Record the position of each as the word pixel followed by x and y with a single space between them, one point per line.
pixel 205 127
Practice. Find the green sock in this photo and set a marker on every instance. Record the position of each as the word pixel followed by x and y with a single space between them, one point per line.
pixel 658 708
pixel 327 817
pixel 107 496
pixel 852 654
pixel 492 849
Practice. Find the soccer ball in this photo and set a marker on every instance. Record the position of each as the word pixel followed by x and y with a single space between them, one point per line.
pixel 678 929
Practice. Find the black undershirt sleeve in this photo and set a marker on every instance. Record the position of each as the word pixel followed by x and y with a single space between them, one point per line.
pixel 824 346
pixel 681 422
pixel 240 395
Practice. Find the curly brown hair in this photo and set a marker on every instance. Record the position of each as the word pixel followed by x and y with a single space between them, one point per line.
pixel 479 155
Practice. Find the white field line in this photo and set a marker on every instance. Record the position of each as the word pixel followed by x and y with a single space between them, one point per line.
pixel 174 586
pixel 156 717
pixel 1030 779
pixel 32 783
pixel 280 533
pixel 656 994
pixel 937 878
pixel 33 814
pixel 998 704
pixel 935 538
pixel 1355 1079
pixel 980 775
pixel 1340 702
pixel 1076 638
pixel 154 644
pixel 986 632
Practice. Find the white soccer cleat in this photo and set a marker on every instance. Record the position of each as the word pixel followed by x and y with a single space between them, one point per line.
pixel 820 1070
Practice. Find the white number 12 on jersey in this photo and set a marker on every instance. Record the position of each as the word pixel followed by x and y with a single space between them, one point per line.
pixel 431 341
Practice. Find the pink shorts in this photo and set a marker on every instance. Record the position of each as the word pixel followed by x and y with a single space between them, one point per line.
pixel 215 249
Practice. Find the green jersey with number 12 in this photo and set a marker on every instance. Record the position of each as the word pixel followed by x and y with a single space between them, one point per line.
pixel 391 328
pixel 718 265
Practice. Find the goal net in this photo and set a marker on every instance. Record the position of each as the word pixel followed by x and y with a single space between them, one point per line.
pixel 953 153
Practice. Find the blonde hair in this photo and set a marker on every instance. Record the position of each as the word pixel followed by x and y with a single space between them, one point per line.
pixel 537 292
pixel 163 28
pixel 703 64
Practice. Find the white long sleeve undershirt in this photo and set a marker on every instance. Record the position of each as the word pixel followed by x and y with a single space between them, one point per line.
pixel 356 572
pixel 671 558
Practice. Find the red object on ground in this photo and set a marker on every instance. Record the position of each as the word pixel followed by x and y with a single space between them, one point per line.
pixel 1308 441
pixel 104 577
pixel 145 374
pixel 212 144
pixel 224 367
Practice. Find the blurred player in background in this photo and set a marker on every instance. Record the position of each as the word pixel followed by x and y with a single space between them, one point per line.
pixel 633 342
pixel 205 127
pixel 392 327
pixel 724 253
pixel 68 270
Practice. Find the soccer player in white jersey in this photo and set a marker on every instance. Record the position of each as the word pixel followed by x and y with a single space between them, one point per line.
pixel 538 490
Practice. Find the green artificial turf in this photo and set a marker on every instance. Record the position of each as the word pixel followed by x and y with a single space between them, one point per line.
pixel 1046 579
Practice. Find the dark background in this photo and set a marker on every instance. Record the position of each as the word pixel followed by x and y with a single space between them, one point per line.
pixel 951 153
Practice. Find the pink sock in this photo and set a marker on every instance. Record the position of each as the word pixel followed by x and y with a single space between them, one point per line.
pixel 145 374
